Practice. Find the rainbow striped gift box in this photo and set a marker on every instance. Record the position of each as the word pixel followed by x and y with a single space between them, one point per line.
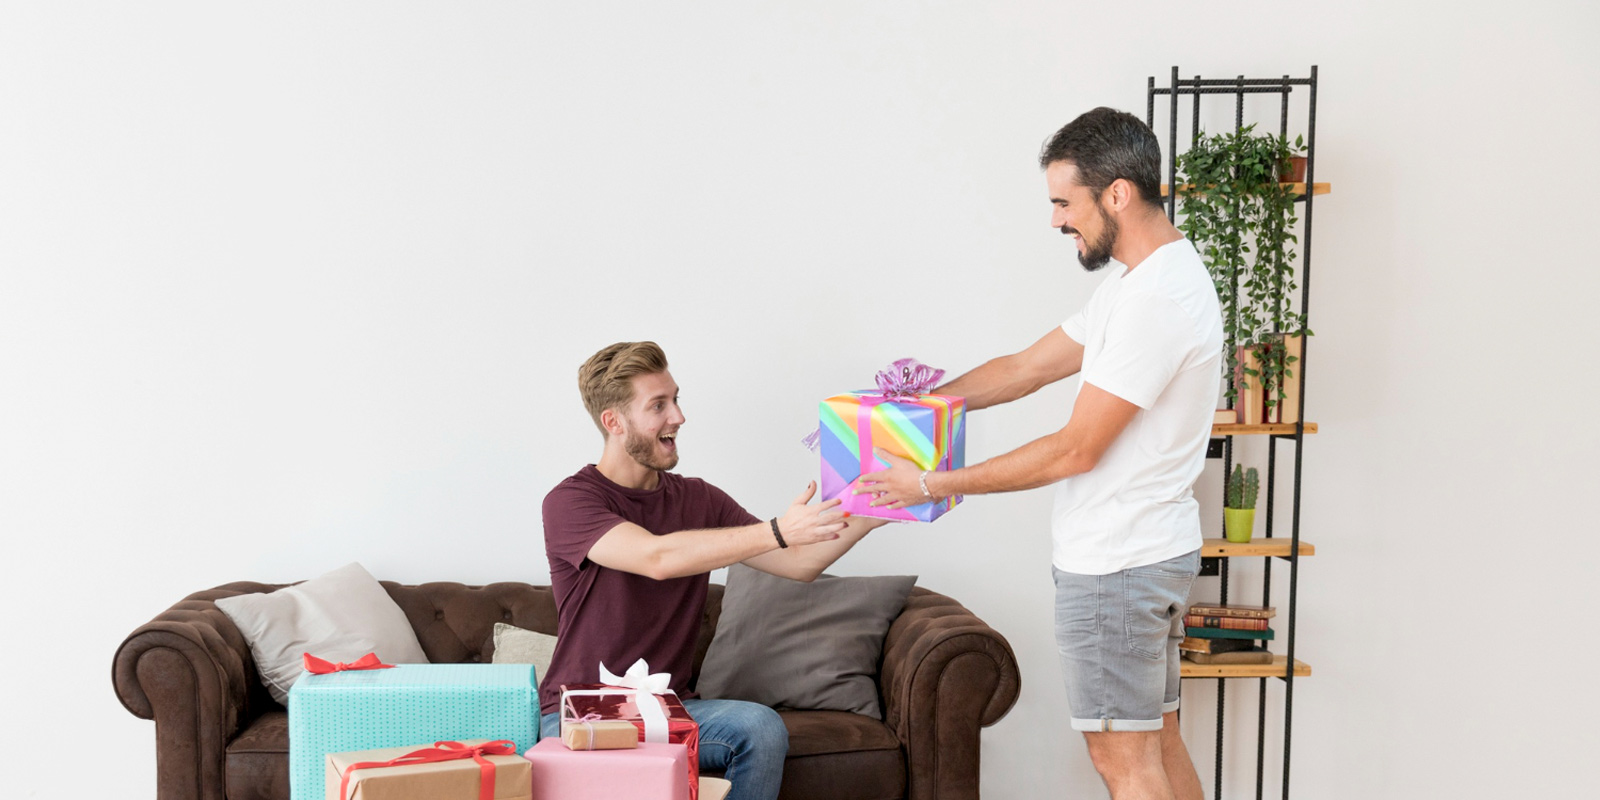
pixel 928 429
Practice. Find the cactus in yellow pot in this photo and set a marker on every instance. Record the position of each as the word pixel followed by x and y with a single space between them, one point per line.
pixel 1239 510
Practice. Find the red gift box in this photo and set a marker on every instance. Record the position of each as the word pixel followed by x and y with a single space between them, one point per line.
pixel 601 702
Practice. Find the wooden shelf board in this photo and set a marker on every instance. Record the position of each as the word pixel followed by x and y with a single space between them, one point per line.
pixel 1236 429
pixel 1273 670
pixel 1222 548
pixel 1298 188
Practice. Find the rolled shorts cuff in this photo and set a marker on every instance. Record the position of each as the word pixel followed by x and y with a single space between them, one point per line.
pixel 1168 708
pixel 1108 725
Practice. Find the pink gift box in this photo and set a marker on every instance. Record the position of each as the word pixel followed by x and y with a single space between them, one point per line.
pixel 649 772
pixel 614 703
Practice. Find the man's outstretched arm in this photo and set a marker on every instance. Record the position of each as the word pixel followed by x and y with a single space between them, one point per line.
pixel 1007 378
pixel 1098 418
pixel 631 548
pixel 806 563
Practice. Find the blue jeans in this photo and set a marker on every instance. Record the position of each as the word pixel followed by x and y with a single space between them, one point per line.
pixel 746 741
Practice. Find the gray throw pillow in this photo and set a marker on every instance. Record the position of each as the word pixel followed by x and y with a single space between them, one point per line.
pixel 813 646
pixel 514 645
pixel 340 616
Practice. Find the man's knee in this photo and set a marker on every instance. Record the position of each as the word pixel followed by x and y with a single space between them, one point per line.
pixel 1171 736
pixel 765 731
pixel 1121 752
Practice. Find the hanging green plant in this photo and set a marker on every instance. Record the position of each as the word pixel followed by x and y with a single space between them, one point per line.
pixel 1241 219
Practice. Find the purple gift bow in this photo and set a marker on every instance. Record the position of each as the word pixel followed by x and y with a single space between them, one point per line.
pixel 906 377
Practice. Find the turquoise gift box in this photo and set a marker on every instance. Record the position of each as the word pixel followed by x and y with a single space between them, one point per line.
pixel 412 704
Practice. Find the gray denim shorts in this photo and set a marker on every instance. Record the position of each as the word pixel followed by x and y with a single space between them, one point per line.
pixel 1118 637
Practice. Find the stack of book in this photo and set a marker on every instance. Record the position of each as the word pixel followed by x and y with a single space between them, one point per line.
pixel 1218 634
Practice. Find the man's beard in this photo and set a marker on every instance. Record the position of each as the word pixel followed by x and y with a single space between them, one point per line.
pixel 643 450
pixel 1097 254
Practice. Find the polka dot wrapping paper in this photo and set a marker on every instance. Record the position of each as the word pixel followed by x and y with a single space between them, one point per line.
pixel 412 704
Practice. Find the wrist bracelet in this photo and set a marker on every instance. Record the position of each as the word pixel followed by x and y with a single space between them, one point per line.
pixel 782 545
pixel 922 483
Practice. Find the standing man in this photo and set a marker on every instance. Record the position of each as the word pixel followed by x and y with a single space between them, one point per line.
pixel 631 546
pixel 1126 526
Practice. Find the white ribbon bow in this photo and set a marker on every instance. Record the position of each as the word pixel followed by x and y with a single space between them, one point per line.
pixel 638 677
pixel 645 685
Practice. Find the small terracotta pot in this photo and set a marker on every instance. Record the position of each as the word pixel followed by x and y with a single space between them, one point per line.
pixel 1294 171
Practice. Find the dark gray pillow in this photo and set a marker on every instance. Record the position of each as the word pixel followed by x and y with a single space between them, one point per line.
pixel 813 646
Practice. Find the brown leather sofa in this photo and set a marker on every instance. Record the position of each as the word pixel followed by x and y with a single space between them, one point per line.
pixel 945 676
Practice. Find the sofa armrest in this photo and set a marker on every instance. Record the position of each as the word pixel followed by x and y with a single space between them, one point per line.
pixel 190 670
pixel 946 674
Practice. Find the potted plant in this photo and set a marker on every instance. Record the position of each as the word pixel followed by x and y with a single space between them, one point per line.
pixel 1240 217
pixel 1239 512
pixel 1293 170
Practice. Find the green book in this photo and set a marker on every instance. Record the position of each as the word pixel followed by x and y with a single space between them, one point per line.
pixel 1227 633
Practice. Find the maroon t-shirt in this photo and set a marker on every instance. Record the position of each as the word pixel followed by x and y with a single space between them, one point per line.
pixel 606 616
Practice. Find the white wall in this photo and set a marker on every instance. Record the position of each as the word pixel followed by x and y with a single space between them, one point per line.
pixel 291 285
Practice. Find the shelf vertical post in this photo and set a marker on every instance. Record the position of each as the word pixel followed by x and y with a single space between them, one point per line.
pixel 1194 137
pixel 1266 600
pixel 1150 104
pixel 1299 437
pixel 1172 152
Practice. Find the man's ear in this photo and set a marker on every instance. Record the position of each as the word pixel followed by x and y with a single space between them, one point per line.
pixel 611 420
pixel 1119 195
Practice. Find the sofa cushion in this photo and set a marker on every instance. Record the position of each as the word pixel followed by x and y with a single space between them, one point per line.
pixel 513 645
pixel 837 754
pixel 256 766
pixel 339 616
pixel 820 733
pixel 814 645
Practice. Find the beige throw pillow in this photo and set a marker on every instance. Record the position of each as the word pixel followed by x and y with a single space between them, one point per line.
pixel 340 616
pixel 513 645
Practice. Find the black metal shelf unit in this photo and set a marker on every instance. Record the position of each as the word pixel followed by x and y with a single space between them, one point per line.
pixel 1237 88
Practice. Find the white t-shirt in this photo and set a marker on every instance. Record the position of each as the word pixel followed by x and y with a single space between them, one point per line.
pixel 1152 337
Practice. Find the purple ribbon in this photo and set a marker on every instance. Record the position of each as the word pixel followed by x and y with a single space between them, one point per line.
pixel 906 377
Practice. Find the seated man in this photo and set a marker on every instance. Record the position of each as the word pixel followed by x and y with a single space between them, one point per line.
pixel 630 548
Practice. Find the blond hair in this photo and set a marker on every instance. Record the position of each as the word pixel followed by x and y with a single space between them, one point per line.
pixel 606 379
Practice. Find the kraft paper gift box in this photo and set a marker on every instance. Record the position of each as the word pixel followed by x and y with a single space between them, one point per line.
pixel 416 778
pixel 928 429
pixel 649 772
pixel 411 703
pixel 602 702
pixel 615 734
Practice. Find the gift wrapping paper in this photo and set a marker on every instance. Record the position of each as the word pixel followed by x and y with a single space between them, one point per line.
pixel 928 429
pixel 648 772
pixel 616 703
pixel 460 779
pixel 610 734
pixel 412 703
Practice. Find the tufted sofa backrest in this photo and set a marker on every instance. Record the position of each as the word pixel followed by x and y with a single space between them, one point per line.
pixel 455 622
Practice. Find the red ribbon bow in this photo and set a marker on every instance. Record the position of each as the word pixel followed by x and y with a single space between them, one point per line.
pixel 317 666
pixel 443 751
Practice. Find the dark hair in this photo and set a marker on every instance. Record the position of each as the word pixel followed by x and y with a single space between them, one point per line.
pixel 1106 144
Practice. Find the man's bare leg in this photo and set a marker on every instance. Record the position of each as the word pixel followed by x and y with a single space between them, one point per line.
pixel 1181 775
pixel 1130 762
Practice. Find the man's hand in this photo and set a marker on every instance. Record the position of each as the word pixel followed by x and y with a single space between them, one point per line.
pixel 896 487
pixel 806 524
pixel 806 563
